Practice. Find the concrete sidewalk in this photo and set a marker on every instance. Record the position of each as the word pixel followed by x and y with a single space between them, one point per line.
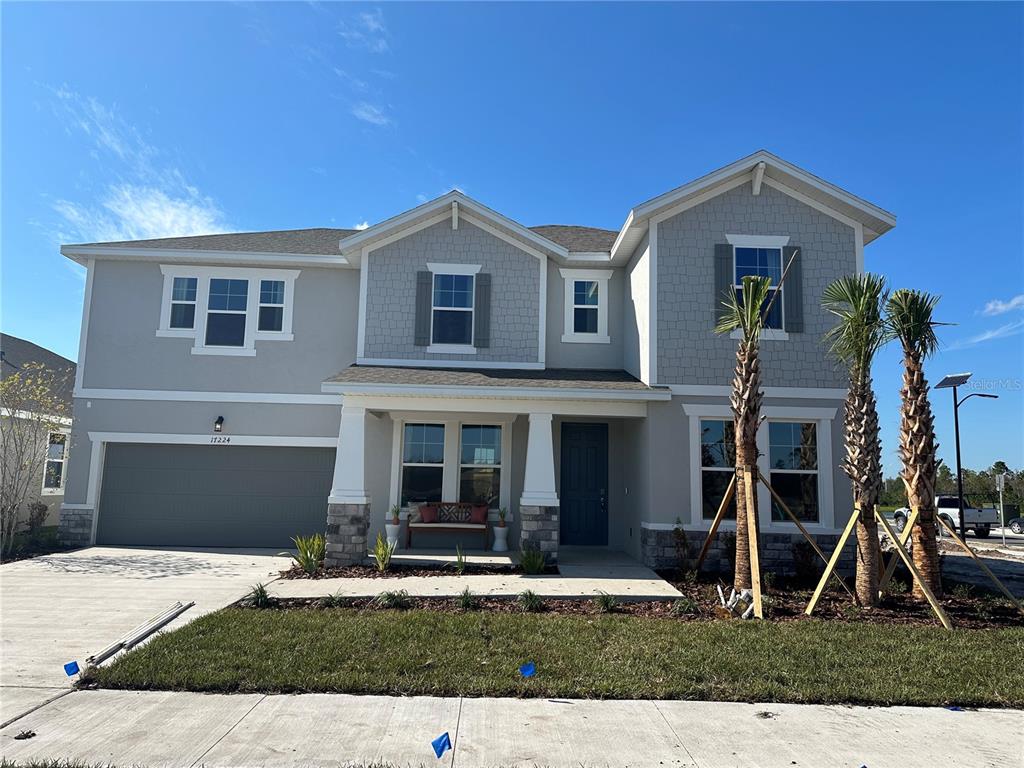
pixel 125 728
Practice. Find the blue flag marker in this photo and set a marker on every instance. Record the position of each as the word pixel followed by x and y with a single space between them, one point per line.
pixel 71 668
pixel 441 744
pixel 529 669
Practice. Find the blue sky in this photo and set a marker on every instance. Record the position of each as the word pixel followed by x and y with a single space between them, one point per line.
pixel 141 120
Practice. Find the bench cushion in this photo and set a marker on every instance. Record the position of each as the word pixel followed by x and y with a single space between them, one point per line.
pixel 450 526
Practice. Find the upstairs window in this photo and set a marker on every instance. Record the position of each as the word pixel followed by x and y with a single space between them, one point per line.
pixel 183 302
pixel 56 460
pixel 225 320
pixel 271 317
pixel 452 310
pixel 586 305
pixel 762 262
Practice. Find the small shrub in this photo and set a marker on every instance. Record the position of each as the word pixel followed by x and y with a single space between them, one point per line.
pixel 684 606
pixel 310 552
pixel 530 602
pixel 896 587
pixel 768 579
pixel 460 560
pixel 963 591
pixel 337 600
pixel 728 540
pixel 398 600
pixel 852 611
pixel 805 562
pixel 36 517
pixel 467 601
pixel 382 552
pixel 690 577
pixel 259 597
pixel 682 545
pixel 605 603
pixel 532 561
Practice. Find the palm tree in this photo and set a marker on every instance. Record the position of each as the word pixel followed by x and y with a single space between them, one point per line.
pixel 744 312
pixel 858 302
pixel 909 319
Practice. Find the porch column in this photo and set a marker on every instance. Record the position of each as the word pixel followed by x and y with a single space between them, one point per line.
pixel 538 506
pixel 348 506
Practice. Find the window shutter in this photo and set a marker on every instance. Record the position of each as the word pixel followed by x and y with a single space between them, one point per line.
pixel 424 302
pixel 723 277
pixel 793 290
pixel 482 312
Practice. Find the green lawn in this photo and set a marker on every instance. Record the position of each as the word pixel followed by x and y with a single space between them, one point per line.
pixel 478 654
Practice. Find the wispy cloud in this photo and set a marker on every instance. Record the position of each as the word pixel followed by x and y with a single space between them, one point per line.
pixel 371 113
pixel 143 197
pixel 1003 331
pixel 366 30
pixel 348 77
pixel 362 225
pixel 999 307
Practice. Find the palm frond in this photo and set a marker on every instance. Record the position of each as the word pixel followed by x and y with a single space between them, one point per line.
pixel 743 310
pixel 858 301
pixel 909 318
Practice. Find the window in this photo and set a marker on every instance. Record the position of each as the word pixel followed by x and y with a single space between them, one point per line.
pixel 480 464
pixel 793 465
pixel 762 262
pixel 271 316
pixel 183 302
pixel 452 309
pixel 225 321
pixel 717 465
pixel 586 305
pixel 56 456
pixel 422 463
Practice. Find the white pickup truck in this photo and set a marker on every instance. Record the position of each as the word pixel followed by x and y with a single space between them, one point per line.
pixel 979 520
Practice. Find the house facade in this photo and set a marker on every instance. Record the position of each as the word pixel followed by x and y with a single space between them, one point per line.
pixel 236 390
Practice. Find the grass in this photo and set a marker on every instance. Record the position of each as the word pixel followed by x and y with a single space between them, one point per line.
pixel 604 656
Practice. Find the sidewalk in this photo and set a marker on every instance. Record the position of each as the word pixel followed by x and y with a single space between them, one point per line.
pixel 140 728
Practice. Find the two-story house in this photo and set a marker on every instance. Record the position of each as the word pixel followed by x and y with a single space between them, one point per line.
pixel 238 389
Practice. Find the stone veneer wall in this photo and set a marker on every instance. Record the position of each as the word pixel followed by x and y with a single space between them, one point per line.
pixel 75 527
pixel 538 529
pixel 346 534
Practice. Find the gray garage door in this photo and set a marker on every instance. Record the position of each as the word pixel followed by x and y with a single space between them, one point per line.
pixel 212 496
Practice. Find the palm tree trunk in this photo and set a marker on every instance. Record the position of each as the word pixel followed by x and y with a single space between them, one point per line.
pixel 746 409
pixel 863 465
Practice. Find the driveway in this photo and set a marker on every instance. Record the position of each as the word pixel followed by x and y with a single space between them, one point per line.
pixel 68 606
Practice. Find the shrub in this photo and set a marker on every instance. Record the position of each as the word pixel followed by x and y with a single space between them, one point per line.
pixel 605 603
pixel 805 562
pixel 310 552
pixel 382 552
pixel 460 560
pixel 682 545
pixel 398 600
pixel 36 517
pixel 896 587
pixel 684 606
pixel 728 540
pixel 532 561
pixel 530 602
pixel 963 591
pixel 259 597
pixel 467 601
pixel 768 579
pixel 337 600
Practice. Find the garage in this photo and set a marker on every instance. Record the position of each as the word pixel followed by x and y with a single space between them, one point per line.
pixel 212 495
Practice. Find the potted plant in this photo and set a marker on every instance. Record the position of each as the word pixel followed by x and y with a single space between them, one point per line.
pixel 394 527
pixel 501 532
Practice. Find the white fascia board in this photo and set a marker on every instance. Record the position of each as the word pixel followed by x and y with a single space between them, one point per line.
pixel 82 253
pixel 514 393
pixel 183 396
pixel 461 405
pixel 397 362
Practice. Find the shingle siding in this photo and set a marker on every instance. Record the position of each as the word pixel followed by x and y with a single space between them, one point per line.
pixel 391 293
pixel 689 352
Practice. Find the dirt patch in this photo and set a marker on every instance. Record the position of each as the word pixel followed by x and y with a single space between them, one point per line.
pixel 401 571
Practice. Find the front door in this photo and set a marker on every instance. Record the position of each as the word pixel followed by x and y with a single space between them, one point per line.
pixel 584 487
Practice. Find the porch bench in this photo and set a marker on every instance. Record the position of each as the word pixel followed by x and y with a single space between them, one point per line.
pixel 451 517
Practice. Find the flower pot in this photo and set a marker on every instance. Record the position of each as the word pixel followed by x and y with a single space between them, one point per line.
pixel 392 531
pixel 500 540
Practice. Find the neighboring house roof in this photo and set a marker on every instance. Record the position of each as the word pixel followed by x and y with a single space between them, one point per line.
pixel 370 378
pixel 15 353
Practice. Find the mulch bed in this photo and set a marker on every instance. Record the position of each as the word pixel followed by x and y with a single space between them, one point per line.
pixel 401 570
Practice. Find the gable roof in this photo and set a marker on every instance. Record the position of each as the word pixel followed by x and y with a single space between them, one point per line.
pixel 15 353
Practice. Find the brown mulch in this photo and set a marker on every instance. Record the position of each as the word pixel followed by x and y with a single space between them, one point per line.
pixel 398 571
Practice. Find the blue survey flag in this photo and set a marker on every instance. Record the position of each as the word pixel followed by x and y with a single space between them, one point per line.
pixel 441 744
pixel 71 668
pixel 529 669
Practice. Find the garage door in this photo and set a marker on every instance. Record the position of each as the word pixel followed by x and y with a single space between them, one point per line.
pixel 212 496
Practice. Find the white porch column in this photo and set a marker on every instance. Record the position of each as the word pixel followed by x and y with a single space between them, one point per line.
pixel 349 486
pixel 539 482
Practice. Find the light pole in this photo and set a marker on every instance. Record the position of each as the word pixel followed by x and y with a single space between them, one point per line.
pixel 953 381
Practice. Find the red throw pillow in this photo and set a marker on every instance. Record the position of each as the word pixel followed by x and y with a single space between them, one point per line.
pixel 478 515
pixel 428 513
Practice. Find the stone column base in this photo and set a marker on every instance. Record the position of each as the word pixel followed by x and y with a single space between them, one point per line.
pixel 74 529
pixel 346 534
pixel 538 529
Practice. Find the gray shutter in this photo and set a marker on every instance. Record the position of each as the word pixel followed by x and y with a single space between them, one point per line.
pixel 723 277
pixel 793 290
pixel 424 302
pixel 482 312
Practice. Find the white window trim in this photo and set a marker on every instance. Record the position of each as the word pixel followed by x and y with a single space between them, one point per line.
pixel 470 270
pixel 64 463
pixel 198 332
pixel 602 278
pixel 761 241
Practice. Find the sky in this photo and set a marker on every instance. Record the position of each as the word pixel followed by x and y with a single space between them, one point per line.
pixel 131 120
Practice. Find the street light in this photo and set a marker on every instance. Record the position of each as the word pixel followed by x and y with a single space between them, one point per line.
pixel 953 381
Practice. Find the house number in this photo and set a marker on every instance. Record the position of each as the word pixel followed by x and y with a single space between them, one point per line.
pixel 220 439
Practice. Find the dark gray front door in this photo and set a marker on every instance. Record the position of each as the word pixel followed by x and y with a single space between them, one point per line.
pixel 212 496
pixel 584 486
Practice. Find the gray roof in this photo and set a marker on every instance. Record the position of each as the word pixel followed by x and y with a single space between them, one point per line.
pixel 15 353
pixel 323 241
pixel 549 378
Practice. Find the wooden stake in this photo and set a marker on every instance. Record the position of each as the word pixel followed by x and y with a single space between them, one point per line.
pixel 963 545
pixel 900 542
pixel 755 561
pixel 833 561
pixel 729 491
pixel 907 561
pixel 799 525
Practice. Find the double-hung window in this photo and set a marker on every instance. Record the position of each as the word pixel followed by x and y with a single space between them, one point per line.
pixel 271 317
pixel 585 294
pixel 480 464
pixel 183 303
pixel 227 310
pixel 793 467
pixel 586 305
pixel 56 461
pixel 452 310
pixel 717 465
pixel 762 262
pixel 422 463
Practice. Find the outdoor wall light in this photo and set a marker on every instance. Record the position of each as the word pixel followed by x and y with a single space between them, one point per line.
pixel 218 425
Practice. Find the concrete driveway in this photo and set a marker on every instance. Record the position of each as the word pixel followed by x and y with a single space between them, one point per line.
pixel 68 606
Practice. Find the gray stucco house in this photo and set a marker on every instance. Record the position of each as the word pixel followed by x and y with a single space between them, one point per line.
pixel 237 389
